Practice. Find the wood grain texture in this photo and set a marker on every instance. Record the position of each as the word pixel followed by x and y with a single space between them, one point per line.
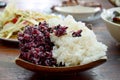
pixel 108 71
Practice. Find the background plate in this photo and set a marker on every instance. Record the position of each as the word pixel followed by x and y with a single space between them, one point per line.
pixel 9 40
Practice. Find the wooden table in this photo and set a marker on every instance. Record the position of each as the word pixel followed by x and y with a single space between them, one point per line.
pixel 108 71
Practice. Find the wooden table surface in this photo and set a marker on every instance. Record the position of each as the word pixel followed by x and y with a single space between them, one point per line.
pixel 107 71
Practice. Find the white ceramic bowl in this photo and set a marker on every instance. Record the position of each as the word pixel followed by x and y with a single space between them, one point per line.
pixel 112 27
pixel 78 12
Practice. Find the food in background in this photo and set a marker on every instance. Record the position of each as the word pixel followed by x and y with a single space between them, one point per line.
pixel 76 2
pixel 116 17
pixel 14 20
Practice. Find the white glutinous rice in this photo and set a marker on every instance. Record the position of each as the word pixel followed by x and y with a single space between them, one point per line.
pixel 76 50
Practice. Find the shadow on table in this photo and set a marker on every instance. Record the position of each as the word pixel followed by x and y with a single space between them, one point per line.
pixel 70 76
pixel 9 44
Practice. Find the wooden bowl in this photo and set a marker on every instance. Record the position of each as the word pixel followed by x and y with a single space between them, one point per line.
pixel 46 69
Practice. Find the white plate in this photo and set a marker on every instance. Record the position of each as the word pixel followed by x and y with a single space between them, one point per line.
pixel 93 17
pixel 85 15
pixel 9 40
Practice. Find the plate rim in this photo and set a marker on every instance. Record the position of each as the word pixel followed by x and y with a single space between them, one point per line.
pixel 38 68
pixel 9 40
pixel 114 4
pixel 91 18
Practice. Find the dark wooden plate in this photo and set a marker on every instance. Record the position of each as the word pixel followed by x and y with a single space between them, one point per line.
pixel 38 68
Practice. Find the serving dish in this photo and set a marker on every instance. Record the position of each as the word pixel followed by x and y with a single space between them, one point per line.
pixel 80 12
pixel 113 28
pixel 38 68
pixel 93 17
pixel 49 50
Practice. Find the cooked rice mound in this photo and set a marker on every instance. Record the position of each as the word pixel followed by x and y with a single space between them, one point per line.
pixel 73 51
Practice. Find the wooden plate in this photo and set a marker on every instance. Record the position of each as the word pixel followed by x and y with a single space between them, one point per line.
pixel 38 68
